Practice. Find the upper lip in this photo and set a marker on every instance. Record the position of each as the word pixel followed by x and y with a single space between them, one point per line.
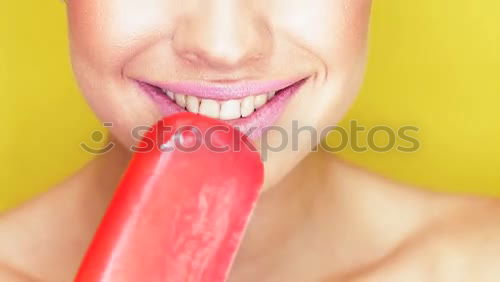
pixel 225 91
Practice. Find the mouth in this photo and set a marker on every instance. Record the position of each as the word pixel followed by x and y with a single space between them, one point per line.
pixel 249 106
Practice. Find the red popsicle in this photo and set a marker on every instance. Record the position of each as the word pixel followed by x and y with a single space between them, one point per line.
pixel 181 209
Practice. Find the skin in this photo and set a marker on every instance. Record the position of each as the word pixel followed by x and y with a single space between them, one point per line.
pixel 319 219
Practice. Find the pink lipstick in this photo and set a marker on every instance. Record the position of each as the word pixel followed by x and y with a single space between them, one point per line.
pixel 237 90
pixel 251 106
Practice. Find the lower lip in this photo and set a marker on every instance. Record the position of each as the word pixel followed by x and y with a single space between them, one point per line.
pixel 253 126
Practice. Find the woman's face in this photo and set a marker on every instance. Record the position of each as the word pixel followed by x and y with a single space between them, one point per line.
pixel 139 60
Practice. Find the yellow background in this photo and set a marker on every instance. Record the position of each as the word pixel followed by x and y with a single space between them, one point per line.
pixel 433 64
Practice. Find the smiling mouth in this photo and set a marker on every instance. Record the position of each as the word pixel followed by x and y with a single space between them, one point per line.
pixel 222 101
pixel 250 106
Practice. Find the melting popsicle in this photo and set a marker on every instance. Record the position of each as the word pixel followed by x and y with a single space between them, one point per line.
pixel 180 211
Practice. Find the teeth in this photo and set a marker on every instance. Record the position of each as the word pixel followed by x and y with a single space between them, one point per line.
pixel 210 108
pixel 180 99
pixel 247 106
pixel 224 110
pixel 230 109
pixel 169 94
pixel 193 104
pixel 260 100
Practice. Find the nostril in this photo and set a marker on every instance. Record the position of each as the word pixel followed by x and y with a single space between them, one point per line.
pixel 220 56
pixel 190 57
pixel 257 57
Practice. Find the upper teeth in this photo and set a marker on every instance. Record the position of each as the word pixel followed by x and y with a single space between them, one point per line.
pixel 224 110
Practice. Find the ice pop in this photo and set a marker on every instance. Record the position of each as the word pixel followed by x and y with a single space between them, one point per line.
pixel 180 211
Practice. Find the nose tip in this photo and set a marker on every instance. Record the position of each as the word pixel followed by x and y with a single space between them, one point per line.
pixel 222 38
pixel 216 55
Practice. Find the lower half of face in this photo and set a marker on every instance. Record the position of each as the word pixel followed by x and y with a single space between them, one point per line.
pixel 269 67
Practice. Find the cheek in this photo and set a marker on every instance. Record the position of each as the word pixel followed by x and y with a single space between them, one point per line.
pixel 352 30
pixel 357 18
pixel 334 30
pixel 105 34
